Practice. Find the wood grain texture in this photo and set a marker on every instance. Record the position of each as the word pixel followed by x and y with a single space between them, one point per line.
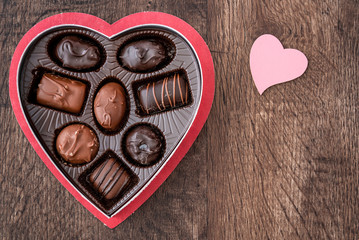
pixel 283 165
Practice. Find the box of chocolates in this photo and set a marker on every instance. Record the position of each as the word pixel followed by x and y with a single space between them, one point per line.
pixel 112 109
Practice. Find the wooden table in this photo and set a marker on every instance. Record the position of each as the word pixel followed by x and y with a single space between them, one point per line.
pixel 283 165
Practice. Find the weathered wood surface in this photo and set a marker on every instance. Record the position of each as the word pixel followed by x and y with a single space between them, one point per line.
pixel 279 166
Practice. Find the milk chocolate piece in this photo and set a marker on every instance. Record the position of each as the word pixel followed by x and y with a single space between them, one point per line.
pixel 77 144
pixel 163 95
pixel 75 53
pixel 144 145
pixel 110 179
pixel 61 93
pixel 143 55
pixel 110 106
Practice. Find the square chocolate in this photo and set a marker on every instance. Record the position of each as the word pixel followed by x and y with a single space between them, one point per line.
pixel 110 179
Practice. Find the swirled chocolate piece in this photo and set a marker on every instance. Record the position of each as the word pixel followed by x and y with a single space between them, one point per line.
pixel 143 55
pixel 110 179
pixel 163 95
pixel 144 145
pixel 61 93
pixel 75 53
pixel 110 106
pixel 77 144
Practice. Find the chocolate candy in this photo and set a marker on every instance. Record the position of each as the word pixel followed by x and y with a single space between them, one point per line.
pixel 61 93
pixel 168 93
pixel 75 53
pixel 110 106
pixel 110 179
pixel 143 55
pixel 144 145
pixel 77 144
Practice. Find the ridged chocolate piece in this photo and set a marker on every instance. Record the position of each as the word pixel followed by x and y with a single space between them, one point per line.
pixel 143 145
pixel 110 106
pixel 110 179
pixel 61 93
pixel 163 95
pixel 77 54
pixel 77 144
pixel 143 55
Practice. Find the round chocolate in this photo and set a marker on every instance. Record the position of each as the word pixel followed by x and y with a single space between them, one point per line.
pixel 144 145
pixel 77 54
pixel 77 144
pixel 143 55
pixel 110 106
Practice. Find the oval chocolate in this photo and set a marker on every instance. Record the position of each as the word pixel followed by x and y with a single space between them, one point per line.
pixel 110 106
pixel 76 53
pixel 143 55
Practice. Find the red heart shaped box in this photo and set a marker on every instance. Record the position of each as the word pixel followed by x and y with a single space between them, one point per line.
pixel 97 24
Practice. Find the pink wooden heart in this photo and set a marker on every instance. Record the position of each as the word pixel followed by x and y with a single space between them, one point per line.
pixel 271 64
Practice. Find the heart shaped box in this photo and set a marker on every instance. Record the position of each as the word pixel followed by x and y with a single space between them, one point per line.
pixel 110 31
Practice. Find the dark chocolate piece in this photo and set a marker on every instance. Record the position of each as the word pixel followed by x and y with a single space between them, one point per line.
pixel 163 95
pixel 143 55
pixel 77 54
pixel 61 93
pixel 110 179
pixel 77 144
pixel 110 106
pixel 144 145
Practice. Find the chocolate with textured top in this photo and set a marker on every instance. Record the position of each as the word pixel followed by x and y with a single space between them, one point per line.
pixel 144 145
pixel 110 179
pixel 110 106
pixel 143 55
pixel 163 95
pixel 61 93
pixel 77 144
pixel 75 53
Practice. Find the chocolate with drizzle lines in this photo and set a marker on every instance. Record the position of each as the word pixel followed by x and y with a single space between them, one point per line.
pixel 163 95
